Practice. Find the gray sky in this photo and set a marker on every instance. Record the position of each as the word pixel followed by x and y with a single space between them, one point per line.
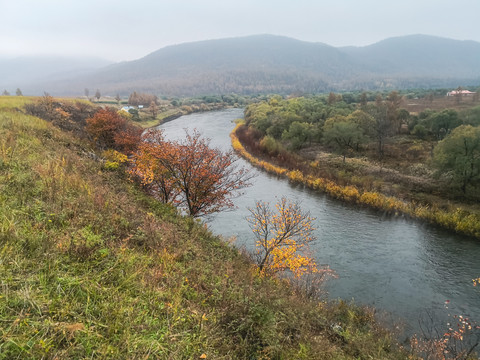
pixel 125 30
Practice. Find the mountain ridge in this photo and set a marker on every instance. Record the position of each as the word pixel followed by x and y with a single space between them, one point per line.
pixel 271 63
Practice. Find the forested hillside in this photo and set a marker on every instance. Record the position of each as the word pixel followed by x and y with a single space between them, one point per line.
pixel 274 64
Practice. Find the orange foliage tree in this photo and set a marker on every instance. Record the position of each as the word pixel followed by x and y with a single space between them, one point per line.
pixel 190 173
pixel 282 238
pixel 110 130
pixel 148 166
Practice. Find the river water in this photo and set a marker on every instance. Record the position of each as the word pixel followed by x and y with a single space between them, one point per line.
pixel 403 268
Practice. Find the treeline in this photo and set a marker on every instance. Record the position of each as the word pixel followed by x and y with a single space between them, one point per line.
pixel 328 119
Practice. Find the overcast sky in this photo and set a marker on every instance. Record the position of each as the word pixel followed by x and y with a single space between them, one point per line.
pixel 125 30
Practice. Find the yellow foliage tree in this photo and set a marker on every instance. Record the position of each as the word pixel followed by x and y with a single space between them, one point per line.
pixel 282 238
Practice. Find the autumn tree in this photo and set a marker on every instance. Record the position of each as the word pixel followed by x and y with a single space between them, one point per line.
pixel 149 167
pixel 332 98
pixel 363 99
pixel 282 238
pixel 153 108
pixel 110 130
pixel 201 179
pixel 393 103
pixel 144 99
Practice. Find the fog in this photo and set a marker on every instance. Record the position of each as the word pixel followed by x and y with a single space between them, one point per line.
pixel 124 30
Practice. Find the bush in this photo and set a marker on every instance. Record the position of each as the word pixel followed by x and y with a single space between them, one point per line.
pixel 420 131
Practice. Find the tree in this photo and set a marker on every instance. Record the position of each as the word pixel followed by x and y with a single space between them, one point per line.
pixel 118 98
pixel 364 121
pixel 87 93
pixel 381 126
pixel 459 155
pixel 403 116
pixel 363 99
pixel 393 105
pixel 18 92
pixel 98 95
pixel 420 131
pixel 282 238
pixel 148 167
pixel 298 133
pixel 443 122
pixel 205 178
pixel 332 98
pixel 110 130
pixel 153 108
pixel 137 99
pixel 343 135
pixel 5 93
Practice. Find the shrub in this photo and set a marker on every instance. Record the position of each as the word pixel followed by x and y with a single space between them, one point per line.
pixel 109 130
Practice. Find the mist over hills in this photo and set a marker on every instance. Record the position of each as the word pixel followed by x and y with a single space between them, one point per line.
pixel 26 70
pixel 268 63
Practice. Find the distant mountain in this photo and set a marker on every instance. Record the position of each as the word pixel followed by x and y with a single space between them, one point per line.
pixel 267 64
pixel 24 72
pixel 420 55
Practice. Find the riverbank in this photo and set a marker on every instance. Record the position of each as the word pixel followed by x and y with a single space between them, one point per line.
pixel 459 220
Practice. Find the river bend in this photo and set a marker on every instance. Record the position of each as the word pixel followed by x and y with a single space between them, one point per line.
pixel 401 267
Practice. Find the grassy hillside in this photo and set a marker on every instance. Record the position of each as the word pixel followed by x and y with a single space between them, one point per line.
pixel 93 268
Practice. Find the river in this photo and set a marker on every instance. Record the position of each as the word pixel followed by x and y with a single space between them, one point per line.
pixel 403 268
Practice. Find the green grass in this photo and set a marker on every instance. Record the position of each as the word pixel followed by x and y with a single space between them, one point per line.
pixel 91 267
pixel 12 102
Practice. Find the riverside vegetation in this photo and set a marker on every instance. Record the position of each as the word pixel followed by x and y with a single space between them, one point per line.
pixel 93 267
pixel 423 165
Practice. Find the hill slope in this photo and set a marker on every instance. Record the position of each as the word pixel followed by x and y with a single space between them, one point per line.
pixel 267 63
pixel 93 268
